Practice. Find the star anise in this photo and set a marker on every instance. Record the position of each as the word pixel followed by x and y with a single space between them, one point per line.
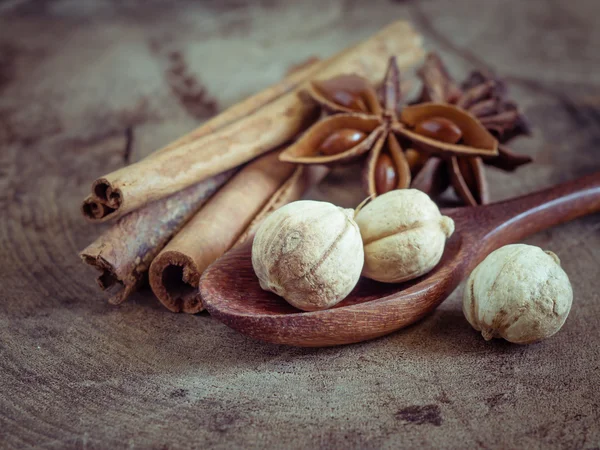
pixel 364 122
pixel 485 98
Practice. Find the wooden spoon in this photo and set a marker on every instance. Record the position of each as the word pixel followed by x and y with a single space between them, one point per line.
pixel 231 292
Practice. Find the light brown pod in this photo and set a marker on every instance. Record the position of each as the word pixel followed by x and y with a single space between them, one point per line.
pixel 439 128
pixel 341 140
pixel 386 167
pixel 307 149
pixel 476 140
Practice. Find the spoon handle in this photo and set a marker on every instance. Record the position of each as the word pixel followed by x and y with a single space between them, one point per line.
pixel 512 220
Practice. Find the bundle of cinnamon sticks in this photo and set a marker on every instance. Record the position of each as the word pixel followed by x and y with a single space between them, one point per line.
pixel 179 209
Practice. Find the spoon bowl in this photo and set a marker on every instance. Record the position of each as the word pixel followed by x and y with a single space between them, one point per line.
pixel 231 292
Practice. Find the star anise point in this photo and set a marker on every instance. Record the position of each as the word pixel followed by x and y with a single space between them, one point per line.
pixel 484 97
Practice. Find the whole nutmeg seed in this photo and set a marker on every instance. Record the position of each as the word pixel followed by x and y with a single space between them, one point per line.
pixel 310 253
pixel 519 293
pixel 404 235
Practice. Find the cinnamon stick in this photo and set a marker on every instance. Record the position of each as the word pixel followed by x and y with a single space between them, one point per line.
pixel 237 137
pixel 124 252
pixel 293 189
pixel 229 216
pixel 292 79
pixel 95 209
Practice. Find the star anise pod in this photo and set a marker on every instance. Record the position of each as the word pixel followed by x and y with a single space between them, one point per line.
pixel 365 122
pixel 485 98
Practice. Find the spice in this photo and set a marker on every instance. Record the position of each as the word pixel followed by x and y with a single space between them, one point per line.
pixel 123 253
pixel 341 140
pixel 255 126
pixel 361 114
pixel 310 253
pixel 386 177
pixel 176 270
pixel 403 234
pixel 292 190
pixel 439 128
pixel 367 123
pixel 483 97
pixel 519 293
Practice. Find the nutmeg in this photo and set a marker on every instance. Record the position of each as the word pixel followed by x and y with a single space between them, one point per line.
pixel 519 293
pixel 310 253
pixel 404 235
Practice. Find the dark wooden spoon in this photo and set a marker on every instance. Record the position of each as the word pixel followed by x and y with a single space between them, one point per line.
pixel 231 292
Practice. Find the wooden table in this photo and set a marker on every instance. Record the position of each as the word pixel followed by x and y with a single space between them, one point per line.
pixel 84 89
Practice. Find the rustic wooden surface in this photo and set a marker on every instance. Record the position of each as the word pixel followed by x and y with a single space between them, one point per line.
pixel 86 86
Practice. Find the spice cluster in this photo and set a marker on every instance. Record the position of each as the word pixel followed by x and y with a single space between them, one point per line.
pixel 182 207
pixel 444 137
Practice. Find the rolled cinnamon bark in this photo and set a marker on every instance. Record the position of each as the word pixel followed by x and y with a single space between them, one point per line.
pixel 95 209
pixel 124 252
pixel 293 189
pixel 102 208
pixel 238 206
pixel 238 138
pixel 292 79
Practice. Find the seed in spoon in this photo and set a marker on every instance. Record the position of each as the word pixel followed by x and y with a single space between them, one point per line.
pixel 440 129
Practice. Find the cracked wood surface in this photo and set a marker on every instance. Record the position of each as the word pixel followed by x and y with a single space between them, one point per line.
pixel 88 86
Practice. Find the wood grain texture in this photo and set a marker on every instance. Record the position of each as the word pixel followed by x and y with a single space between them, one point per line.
pixel 78 373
